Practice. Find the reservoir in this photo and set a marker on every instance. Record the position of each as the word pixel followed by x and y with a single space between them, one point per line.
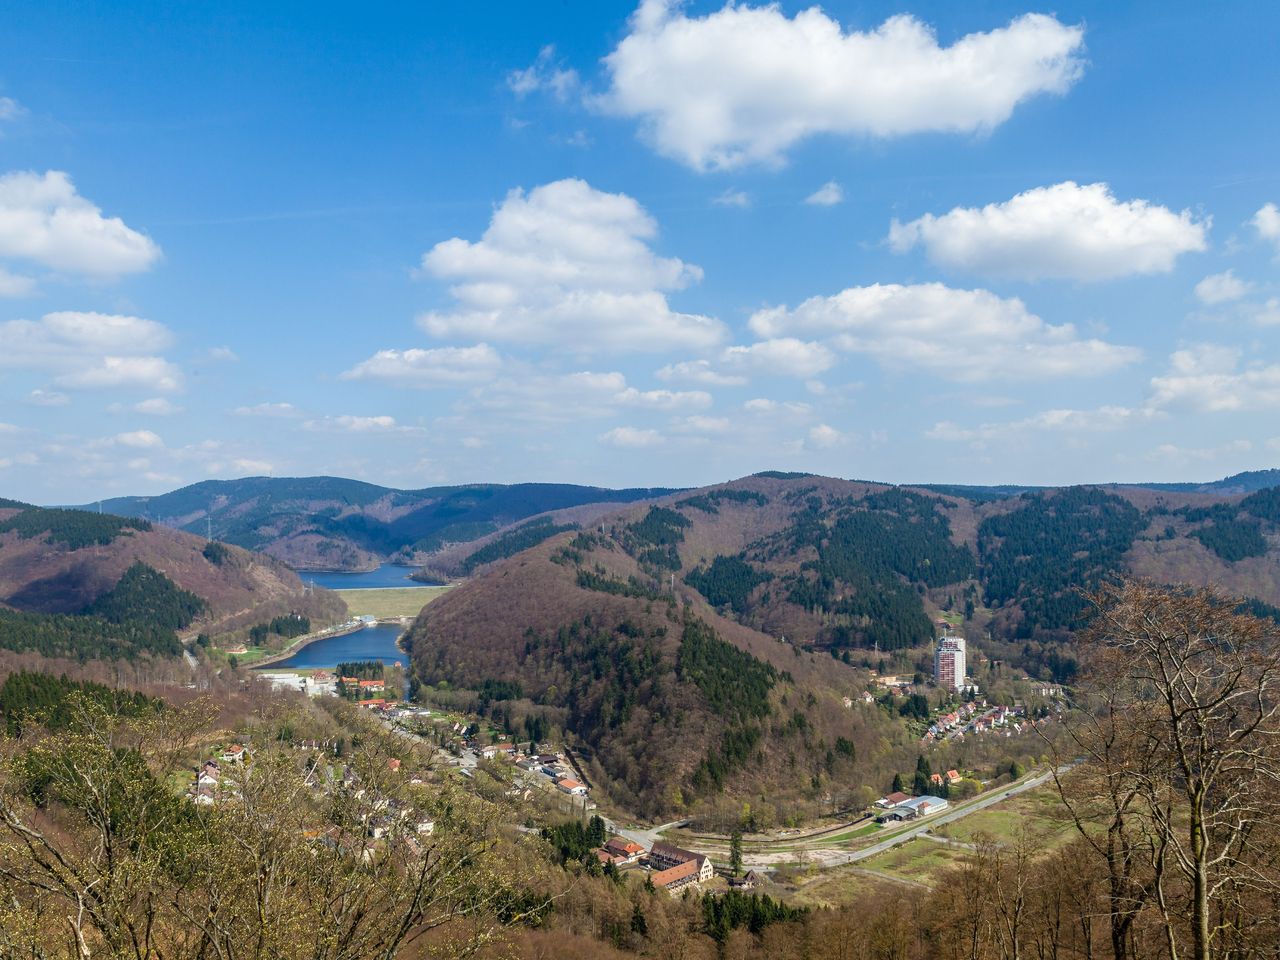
pixel 387 575
pixel 372 643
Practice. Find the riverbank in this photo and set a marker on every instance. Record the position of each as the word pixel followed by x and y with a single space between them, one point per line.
pixel 341 630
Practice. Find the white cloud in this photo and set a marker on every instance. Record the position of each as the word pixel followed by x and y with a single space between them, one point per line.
pixel 785 357
pixel 964 335
pixel 157 407
pixel 824 437
pixel 44 220
pixel 664 399
pixel 139 440
pixel 732 198
pixel 744 84
pixel 698 371
pixel 1065 231
pixel 1172 453
pixel 631 437
pixel 442 366
pixel 10 109
pixel 91 350
pixel 1209 378
pixel 47 398
pixel 761 405
pixel 15 285
pixel 544 74
pixel 571 266
pixel 827 195
pixel 254 467
pixel 150 373
pixel 703 424
pixel 225 354
pixel 1221 288
pixel 1060 420
pixel 1267 222
pixel 279 410
pixel 347 423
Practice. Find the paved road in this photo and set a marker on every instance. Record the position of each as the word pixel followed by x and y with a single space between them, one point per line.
pixel 837 857
pixel 646 838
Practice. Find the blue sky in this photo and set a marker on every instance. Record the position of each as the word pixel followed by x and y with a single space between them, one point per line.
pixel 636 244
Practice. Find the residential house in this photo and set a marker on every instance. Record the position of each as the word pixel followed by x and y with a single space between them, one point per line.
pixel 627 850
pixel 233 754
pixel 571 786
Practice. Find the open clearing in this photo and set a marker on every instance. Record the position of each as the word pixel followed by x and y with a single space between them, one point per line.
pixel 1039 812
pixel 386 602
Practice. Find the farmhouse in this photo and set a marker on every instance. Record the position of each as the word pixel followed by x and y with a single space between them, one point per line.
pixel 665 856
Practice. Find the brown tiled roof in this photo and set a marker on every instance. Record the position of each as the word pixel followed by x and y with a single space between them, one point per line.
pixel 682 871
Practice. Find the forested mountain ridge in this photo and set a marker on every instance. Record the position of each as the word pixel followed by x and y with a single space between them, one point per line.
pixel 819 581
pixel 331 523
pixel 86 585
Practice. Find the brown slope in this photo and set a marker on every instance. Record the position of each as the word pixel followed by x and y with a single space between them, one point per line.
pixel 529 621
pixel 42 577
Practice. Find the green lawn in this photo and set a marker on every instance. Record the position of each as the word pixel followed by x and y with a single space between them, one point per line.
pixel 389 601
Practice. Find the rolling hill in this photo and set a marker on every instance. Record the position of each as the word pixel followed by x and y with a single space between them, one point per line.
pixel 700 649
pixel 91 586
pixel 329 523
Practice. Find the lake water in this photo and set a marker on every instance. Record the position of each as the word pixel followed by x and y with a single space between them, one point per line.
pixel 372 643
pixel 387 575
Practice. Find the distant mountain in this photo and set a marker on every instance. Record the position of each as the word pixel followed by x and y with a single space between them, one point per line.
pixel 655 634
pixel 87 585
pixel 1247 482
pixel 329 523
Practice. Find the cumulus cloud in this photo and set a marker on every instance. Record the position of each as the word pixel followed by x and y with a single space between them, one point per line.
pixel 439 367
pixel 545 73
pixel 47 398
pixel 279 410
pixel 827 195
pixel 824 437
pixel 1267 222
pixel 963 335
pixel 15 285
pixel 1065 231
pixel 91 350
pixel 699 424
pixel 139 440
pixel 149 373
pixel 1221 288
pixel 784 356
pixel 347 423
pixel 745 84
pixel 1059 420
pixel 157 407
pixel 44 220
pixel 1210 378
pixel 631 437
pixel 664 399
pixel 698 371
pixel 566 265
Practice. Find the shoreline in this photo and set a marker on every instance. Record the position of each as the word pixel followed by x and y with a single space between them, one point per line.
pixel 346 630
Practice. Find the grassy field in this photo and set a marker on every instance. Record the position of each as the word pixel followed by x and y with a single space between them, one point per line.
pixel 1038 811
pixel 389 602
pixel 918 860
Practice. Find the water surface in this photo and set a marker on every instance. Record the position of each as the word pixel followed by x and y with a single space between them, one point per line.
pixel 372 643
pixel 387 575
